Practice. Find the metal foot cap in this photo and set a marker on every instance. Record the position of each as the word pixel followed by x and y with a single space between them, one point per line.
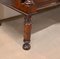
pixel 26 46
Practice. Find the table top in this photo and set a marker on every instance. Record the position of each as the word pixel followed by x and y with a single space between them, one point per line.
pixel 29 6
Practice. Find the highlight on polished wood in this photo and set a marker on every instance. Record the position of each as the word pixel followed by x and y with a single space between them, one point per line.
pixel 28 8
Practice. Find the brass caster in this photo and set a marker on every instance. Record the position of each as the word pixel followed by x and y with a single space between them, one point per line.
pixel 26 46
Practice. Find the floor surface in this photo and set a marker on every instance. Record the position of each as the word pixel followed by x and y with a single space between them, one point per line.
pixel 45 38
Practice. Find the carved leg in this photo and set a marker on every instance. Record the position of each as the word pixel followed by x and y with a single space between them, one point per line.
pixel 27 32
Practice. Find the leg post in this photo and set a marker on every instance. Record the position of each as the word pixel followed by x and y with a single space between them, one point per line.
pixel 0 23
pixel 27 32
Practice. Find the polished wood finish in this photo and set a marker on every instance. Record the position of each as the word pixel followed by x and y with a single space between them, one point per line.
pixel 27 32
pixel 28 8
pixel 27 28
pixel 25 8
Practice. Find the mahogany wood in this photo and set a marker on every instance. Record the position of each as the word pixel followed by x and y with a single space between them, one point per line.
pixel 27 28
pixel 24 7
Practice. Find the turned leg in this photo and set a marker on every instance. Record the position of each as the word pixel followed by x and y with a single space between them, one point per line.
pixel 0 23
pixel 27 32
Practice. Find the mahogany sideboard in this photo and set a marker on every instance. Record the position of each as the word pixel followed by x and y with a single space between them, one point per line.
pixel 28 8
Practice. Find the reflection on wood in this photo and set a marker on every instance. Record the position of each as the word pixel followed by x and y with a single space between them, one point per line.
pixel 25 7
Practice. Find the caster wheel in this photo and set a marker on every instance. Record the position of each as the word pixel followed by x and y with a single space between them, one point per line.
pixel 26 46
